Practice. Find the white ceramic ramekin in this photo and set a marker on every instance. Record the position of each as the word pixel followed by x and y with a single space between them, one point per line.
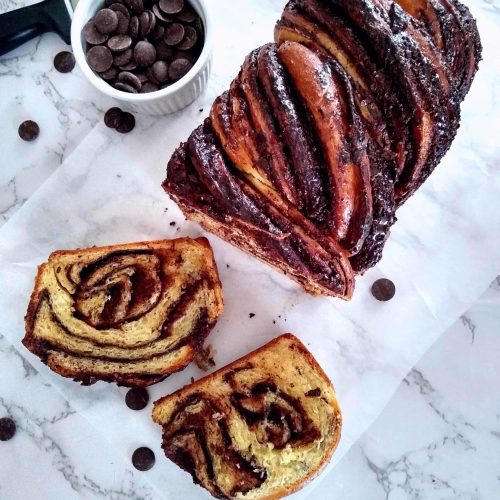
pixel 168 100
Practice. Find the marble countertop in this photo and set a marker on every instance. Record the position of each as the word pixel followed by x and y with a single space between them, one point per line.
pixel 439 438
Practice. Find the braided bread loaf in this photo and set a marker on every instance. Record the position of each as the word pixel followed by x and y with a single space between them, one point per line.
pixel 260 427
pixel 131 314
pixel 322 135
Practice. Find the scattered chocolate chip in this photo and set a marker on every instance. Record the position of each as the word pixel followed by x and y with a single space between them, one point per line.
pixel 143 459
pixel 92 35
pixel 119 43
pixel 160 15
pixel 137 398
pixel 113 117
pixel 171 6
pixel 160 71
pixel 64 62
pixel 99 58
pixel 172 224
pixel 123 58
pixel 7 429
pixel 187 14
pixel 127 123
pixel 179 68
pixel 133 28
pixel 106 21
pixel 174 33
pixel 189 40
pixel 383 289
pixel 149 87
pixel 28 130
pixel 130 79
pixel 136 6
pixel 251 315
pixel 144 53
pixel 125 87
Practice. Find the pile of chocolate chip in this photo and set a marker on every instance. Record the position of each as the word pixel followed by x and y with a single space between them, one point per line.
pixel 143 45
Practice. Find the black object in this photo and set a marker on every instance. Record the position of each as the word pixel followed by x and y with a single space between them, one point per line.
pixel 143 459
pixel 137 398
pixel 383 290
pixel 21 25
pixel 7 429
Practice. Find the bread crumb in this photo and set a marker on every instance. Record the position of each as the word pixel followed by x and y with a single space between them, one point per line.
pixel 204 359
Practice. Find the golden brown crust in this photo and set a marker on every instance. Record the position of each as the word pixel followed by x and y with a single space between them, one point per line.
pixel 118 296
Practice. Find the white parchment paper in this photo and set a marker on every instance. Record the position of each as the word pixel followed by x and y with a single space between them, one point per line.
pixel 442 253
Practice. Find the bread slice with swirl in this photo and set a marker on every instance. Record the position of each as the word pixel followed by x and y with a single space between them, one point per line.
pixel 259 428
pixel 130 314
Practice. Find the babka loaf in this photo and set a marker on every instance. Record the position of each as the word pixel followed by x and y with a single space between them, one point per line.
pixel 322 135
pixel 130 314
pixel 258 428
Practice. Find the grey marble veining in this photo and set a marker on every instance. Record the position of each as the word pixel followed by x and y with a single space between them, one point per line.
pixel 437 439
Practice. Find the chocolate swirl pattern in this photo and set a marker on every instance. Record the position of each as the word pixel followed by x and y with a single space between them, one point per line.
pixel 324 134
pixel 258 428
pixel 131 314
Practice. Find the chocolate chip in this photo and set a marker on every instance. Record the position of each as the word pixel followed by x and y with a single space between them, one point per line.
pixel 123 24
pixel 147 23
pixel 383 289
pixel 28 130
pixel 127 123
pixel 199 27
pixel 125 87
pixel 64 62
pixel 123 58
pixel 137 398
pixel 99 58
pixel 163 51
pixel 251 315
pixel 136 6
pixel 129 67
pixel 119 7
pixel 106 21
pixel 157 33
pixel 144 53
pixel 7 429
pixel 179 68
pixel 113 117
pixel 187 14
pixel 174 33
pixel 190 38
pixel 133 28
pixel 143 459
pixel 160 71
pixel 110 74
pixel 142 76
pixel 160 15
pixel 171 6
pixel 119 43
pixel 148 87
pixel 92 35
pixel 130 79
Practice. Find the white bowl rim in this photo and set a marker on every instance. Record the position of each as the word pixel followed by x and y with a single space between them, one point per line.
pixel 80 19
